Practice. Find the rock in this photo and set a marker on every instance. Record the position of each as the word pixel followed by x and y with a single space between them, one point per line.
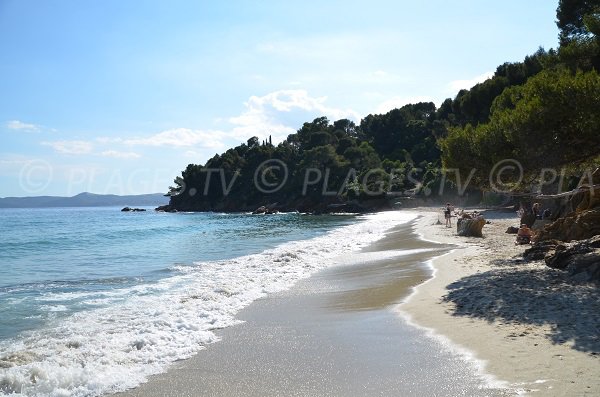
pixel 528 219
pixel 539 250
pixel 266 209
pixel 126 209
pixel 581 259
pixel 512 230
pixel 575 226
pixel 165 208
pixel 260 210
pixel 470 227
pixel 539 224
pixel 557 258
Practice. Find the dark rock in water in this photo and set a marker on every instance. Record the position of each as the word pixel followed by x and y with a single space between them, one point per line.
pixel 470 227
pixel 260 210
pixel 128 209
pixel 581 259
pixel 165 208
pixel 266 209
pixel 512 230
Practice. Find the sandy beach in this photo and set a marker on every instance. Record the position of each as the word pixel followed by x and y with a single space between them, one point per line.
pixel 531 325
pixel 475 321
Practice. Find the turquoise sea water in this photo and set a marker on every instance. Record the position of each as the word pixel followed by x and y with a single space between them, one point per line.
pixel 93 300
pixel 45 252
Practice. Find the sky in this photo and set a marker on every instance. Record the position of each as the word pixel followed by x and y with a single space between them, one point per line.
pixel 117 97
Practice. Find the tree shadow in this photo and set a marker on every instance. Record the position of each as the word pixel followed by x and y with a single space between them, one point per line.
pixel 532 295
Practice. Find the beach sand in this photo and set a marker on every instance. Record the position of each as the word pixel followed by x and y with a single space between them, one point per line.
pixel 333 334
pixel 378 324
pixel 532 325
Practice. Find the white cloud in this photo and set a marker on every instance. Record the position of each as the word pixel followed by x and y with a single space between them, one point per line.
pixel 21 126
pixel 266 115
pixel 398 102
pixel 457 85
pixel 277 114
pixel 182 137
pixel 70 147
pixel 120 155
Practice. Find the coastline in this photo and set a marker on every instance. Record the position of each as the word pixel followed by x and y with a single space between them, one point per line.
pixel 525 323
pixel 333 334
pixel 516 328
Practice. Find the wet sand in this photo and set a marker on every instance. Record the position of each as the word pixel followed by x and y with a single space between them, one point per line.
pixel 333 334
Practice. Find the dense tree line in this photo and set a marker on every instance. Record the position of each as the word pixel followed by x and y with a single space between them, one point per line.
pixel 542 112
pixel 322 163
pixel 550 120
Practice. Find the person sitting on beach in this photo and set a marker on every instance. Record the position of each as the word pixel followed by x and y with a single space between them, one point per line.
pixel 524 235
pixel 448 215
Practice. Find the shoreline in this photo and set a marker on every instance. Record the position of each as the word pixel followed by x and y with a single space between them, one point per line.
pixel 333 334
pixel 452 301
pixel 521 322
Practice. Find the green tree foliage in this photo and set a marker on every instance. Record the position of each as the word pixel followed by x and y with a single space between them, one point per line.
pixel 323 161
pixel 579 25
pixel 571 15
pixel 473 106
pixel 403 134
pixel 550 121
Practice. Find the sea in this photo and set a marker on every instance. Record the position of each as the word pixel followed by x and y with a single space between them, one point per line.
pixel 95 300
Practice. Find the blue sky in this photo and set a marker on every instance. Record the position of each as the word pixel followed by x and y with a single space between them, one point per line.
pixel 119 96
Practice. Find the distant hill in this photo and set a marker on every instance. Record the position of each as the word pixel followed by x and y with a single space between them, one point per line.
pixel 85 200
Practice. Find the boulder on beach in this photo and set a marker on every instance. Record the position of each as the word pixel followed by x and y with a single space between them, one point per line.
pixel 512 230
pixel 539 250
pixel 575 226
pixel 470 227
pixel 581 259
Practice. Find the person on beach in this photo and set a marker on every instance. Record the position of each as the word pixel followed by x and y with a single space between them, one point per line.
pixel 546 214
pixel 536 210
pixel 524 235
pixel 448 215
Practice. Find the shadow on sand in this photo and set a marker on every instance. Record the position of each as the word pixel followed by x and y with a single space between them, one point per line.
pixel 532 295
